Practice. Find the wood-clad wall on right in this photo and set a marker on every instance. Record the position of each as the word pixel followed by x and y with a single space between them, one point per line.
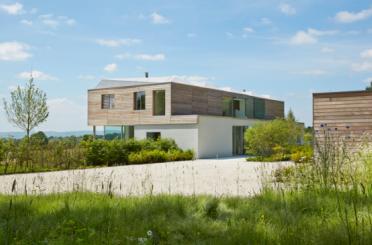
pixel 345 114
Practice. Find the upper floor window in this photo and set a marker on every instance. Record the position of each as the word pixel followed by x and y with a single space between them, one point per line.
pixel 108 101
pixel 158 102
pixel 139 100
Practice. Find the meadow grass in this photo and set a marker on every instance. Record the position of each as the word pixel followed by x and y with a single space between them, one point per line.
pixel 273 217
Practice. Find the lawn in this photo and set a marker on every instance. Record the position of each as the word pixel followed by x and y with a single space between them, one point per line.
pixel 274 217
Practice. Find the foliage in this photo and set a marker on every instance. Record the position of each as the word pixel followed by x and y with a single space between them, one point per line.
pixel 369 88
pixel 293 217
pixel 27 108
pixel 290 116
pixel 39 139
pixel 266 139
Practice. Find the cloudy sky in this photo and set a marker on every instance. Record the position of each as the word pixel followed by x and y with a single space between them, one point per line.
pixel 282 49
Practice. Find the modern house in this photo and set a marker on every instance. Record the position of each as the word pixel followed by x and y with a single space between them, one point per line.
pixel 207 120
pixel 345 115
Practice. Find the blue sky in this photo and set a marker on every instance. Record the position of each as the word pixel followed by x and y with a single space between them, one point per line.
pixel 282 49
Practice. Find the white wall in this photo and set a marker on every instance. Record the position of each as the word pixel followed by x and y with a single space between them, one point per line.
pixel 215 135
pixel 185 135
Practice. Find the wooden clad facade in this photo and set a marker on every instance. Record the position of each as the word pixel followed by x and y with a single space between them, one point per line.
pixel 347 114
pixel 182 105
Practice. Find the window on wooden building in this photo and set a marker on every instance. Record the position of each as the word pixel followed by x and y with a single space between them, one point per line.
pixel 159 102
pixel 139 100
pixel 108 101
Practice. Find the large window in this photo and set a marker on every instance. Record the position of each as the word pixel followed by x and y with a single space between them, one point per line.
pixel 139 100
pixel 227 107
pixel 118 132
pixel 239 108
pixel 107 101
pixel 159 102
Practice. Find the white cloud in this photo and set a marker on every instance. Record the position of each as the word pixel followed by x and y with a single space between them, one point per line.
pixel 37 75
pixel 113 43
pixel 287 9
pixel 327 50
pixel 14 51
pixel 315 72
pixel 349 17
pixel 150 57
pixel 191 35
pixel 54 21
pixel 265 21
pixel 111 67
pixel 87 77
pixel 310 36
pixel 146 57
pixel 157 18
pixel 26 22
pixel 361 67
pixel 248 29
pixel 366 53
pixel 12 9
pixel 229 34
pixel 303 37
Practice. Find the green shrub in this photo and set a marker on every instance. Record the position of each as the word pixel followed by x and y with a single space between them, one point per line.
pixel 39 139
pixel 147 156
pixel 276 137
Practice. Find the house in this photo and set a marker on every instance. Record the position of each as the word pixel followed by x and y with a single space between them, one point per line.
pixel 344 116
pixel 207 120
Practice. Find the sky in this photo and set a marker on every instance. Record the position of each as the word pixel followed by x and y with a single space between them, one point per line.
pixel 284 50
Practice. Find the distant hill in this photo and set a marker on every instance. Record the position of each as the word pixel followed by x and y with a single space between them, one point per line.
pixel 19 135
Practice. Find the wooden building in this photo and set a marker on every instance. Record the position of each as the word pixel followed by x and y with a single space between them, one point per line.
pixel 344 115
pixel 209 121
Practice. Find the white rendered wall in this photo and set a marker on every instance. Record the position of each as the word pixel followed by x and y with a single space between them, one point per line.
pixel 215 135
pixel 185 135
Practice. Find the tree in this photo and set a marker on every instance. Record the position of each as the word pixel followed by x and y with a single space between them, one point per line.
pixel 290 116
pixel 266 138
pixel 369 88
pixel 39 139
pixel 27 108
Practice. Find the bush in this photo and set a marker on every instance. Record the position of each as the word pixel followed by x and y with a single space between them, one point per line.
pixel 272 138
pixel 119 152
pixel 301 154
pixel 39 139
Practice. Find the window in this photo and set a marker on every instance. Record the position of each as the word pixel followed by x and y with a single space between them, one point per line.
pixel 158 102
pixel 108 101
pixel 227 106
pixel 139 100
pixel 153 135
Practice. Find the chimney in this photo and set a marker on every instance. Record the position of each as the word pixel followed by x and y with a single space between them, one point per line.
pixel 146 74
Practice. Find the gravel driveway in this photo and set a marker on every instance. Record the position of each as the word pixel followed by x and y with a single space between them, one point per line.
pixel 227 177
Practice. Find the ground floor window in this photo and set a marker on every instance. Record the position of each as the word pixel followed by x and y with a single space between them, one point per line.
pixel 153 135
pixel 118 132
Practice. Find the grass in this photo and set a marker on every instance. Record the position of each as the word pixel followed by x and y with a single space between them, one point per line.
pixel 301 217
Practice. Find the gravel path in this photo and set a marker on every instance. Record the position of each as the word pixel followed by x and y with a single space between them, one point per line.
pixel 227 177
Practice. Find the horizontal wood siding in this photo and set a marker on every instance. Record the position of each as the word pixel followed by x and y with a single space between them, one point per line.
pixel 187 99
pixel 348 115
pixel 124 113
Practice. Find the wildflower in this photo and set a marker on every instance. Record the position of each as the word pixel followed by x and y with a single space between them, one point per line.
pixel 149 233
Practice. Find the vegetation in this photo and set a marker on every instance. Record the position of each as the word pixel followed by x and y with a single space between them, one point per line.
pixel 277 140
pixel 27 108
pixel 369 88
pixel 46 154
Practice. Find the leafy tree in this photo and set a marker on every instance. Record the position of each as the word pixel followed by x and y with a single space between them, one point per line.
pixel 39 138
pixel 369 88
pixel 267 138
pixel 291 116
pixel 27 108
